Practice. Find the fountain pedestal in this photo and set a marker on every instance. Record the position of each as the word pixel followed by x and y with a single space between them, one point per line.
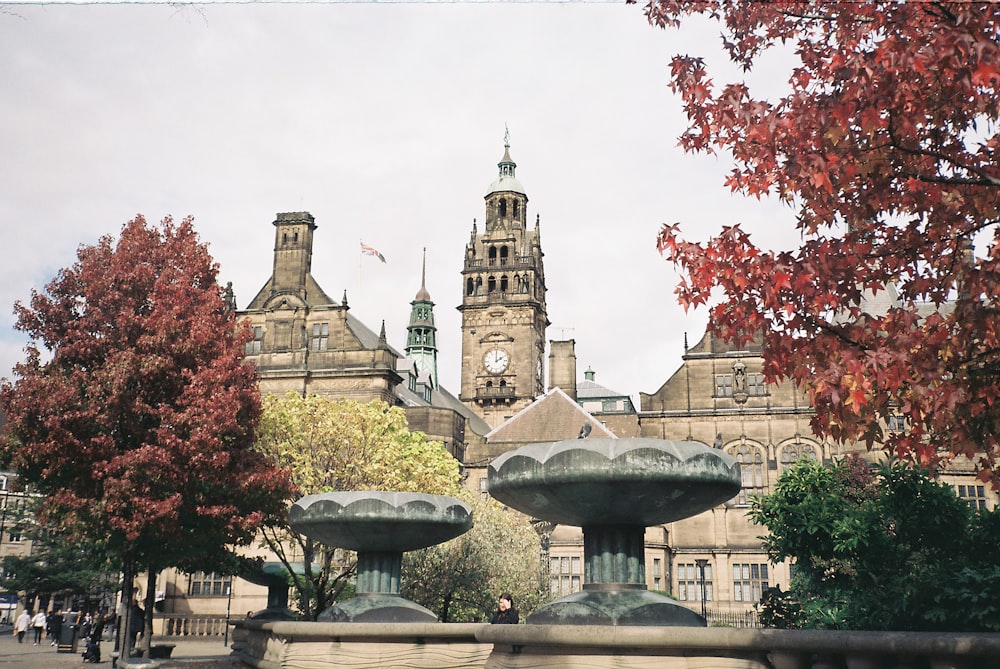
pixel 380 526
pixel 614 489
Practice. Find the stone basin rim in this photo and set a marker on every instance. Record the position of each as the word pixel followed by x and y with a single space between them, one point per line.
pixel 612 449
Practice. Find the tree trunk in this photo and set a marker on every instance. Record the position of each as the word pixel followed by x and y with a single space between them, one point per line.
pixel 147 631
pixel 124 606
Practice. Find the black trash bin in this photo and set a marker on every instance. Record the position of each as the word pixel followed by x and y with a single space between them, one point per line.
pixel 68 638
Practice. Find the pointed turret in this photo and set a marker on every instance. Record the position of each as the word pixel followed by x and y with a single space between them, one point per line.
pixel 421 334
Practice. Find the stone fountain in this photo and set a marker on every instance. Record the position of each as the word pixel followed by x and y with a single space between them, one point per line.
pixel 613 489
pixel 380 526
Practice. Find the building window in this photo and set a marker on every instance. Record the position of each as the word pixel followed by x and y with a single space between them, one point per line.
pixel 504 254
pixel 755 385
pixel 320 336
pixel 896 423
pixel 749 580
pixel 723 385
pixel 689 582
pixel 492 255
pixel 484 487
pixel 14 537
pixel 566 575
pixel 796 451
pixel 974 496
pixel 751 470
pixel 657 570
pixel 209 585
pixel 254 346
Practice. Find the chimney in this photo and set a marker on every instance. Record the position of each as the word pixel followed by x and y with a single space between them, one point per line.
pixel 562 366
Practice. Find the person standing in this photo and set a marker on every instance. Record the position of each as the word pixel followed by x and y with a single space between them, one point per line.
pixel 55 626
pixel 38 624
pixel 86 625
pixel 506 614
pixel 22 624
pixel 136 623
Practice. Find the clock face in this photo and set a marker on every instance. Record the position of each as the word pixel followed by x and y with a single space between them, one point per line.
pixel 496 361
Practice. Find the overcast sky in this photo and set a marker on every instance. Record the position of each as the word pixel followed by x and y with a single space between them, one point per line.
pixel 386 122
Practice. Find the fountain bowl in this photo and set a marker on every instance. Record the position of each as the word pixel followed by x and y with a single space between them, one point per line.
pixel 635 481
pixel 380 520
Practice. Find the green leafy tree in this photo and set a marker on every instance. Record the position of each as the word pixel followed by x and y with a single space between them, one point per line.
pixel 461 579
pixel 57 567
pixel 338 444
pixel 878 550
pixel 139 424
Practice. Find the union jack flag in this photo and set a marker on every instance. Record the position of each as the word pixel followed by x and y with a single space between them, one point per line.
pixel 371 251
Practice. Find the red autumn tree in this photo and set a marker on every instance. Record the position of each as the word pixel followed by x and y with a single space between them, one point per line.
pixel 139 422
pixel 885 144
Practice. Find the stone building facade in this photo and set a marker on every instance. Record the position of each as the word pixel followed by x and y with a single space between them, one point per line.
pixel 306 342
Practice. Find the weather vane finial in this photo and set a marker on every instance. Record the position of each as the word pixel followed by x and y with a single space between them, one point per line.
pixel 506 136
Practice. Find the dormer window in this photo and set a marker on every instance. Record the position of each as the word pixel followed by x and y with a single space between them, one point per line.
pixel 320 336
pixel 253 347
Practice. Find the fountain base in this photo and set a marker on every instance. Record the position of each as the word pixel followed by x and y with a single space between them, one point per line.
pixel 607 605
pixel 377 607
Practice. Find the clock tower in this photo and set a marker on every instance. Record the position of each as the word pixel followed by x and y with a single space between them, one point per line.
pixel 503 304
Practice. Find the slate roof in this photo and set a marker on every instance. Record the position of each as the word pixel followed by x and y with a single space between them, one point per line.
pixel 551 417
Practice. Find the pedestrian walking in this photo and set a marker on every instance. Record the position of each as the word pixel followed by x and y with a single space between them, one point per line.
pixel 38 624
pixel 22 624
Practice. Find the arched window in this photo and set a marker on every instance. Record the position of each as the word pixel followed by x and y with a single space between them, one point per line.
pixel 469 286
pixel 491 284
pixel 479 285
pixel 514 207
pixel 492 255
pixel 793 452
pixel 752 471
pixel 503 284
pixel 503 207
pixel 503 255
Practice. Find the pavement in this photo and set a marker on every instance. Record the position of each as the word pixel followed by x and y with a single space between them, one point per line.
pixel 189 653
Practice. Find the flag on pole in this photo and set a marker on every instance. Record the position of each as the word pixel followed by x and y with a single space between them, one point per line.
pixel 371 251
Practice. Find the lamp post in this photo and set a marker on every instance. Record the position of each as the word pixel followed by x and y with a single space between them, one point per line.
pixel 701 577
pixel 229 603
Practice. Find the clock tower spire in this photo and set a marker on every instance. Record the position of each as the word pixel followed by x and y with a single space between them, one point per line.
pixel 503 305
